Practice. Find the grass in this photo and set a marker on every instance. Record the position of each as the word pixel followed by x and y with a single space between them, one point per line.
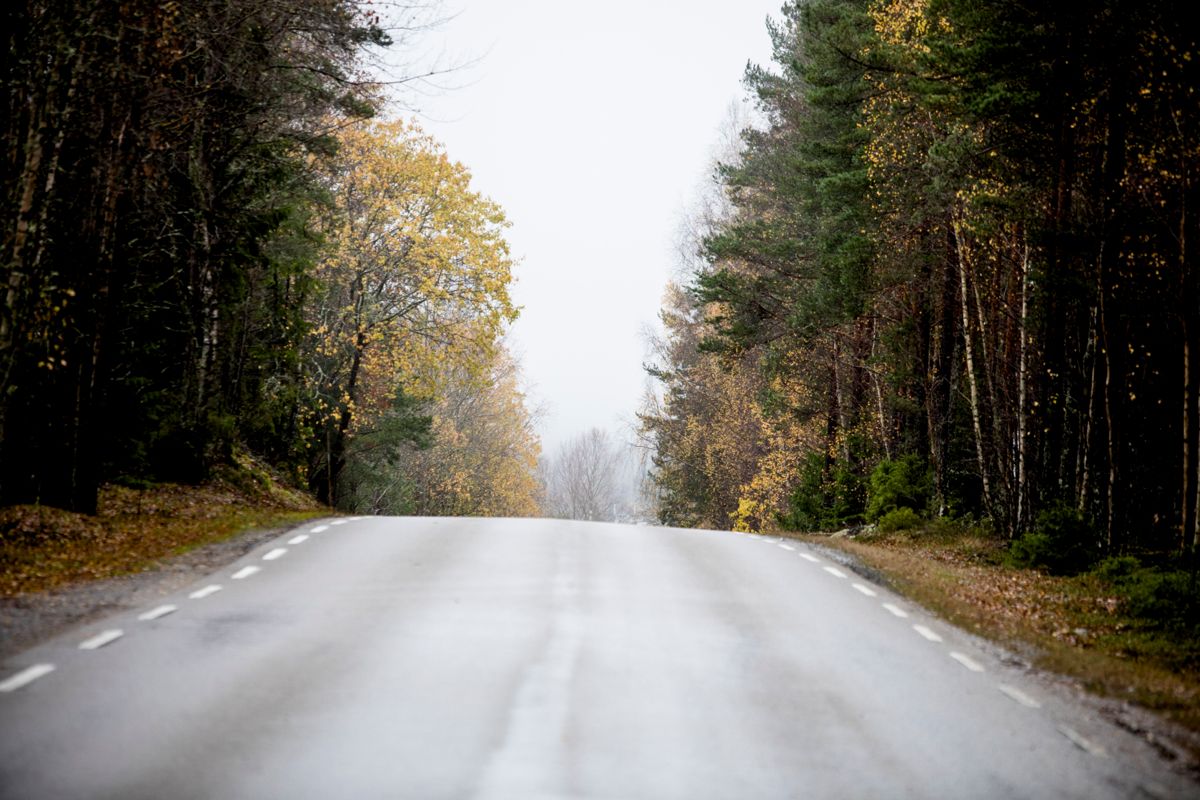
pixel 1080 626
pixel 135 528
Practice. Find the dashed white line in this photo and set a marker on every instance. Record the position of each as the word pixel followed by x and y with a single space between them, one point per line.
pixel 813 559
pixel 1086 745
pixel 867 590
pixel 101 639
pixel 835 572
pixel 200 594
pixel 274 554
pixel 339 522
pixel 244 572
pixel 967 662
pixel 927 633
pixel 318 529
pixel 1016 694
pixel 25 677
pixel 895 610
pixel 298 539
pixel 155 613
pixel 787 547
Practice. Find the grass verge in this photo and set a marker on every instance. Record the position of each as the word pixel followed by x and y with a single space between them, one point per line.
pixel 1079 626
pixel 134 528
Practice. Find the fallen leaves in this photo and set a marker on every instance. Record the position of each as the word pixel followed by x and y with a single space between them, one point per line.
pixel 42 548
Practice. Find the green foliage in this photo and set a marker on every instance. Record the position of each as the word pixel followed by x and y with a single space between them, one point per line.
pixel 798 261
pixel 1061 542
pixel 1164 598
pixel 899 519
pixel 954 220
pixel 905 482
pixel 828 496
pixel 153 202
pixel 371 483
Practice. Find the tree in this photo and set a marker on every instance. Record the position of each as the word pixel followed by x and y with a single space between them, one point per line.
pixel 414 276
pixel 706 431
pixel 480 458
pixel 583 479
pixel 960 239
pixel 153 153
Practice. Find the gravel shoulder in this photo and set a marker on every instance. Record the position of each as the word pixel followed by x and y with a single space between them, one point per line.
pixel 28 619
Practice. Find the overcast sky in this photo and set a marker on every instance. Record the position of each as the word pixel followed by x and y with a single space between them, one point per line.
pixel 593 125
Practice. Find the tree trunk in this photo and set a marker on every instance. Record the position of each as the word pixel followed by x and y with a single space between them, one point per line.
pixel 884 432
pixel 969 350
pixel 1187 520
pixel 1022 392
pixel 1105 352
pixel 941 361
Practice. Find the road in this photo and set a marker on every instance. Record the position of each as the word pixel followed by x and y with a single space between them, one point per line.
pixel 464 658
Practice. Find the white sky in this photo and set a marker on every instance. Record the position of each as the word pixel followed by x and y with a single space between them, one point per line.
pixel 593 125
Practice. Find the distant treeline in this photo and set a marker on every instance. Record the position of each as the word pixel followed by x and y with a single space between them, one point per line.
pixel 951 270
pixel 207 247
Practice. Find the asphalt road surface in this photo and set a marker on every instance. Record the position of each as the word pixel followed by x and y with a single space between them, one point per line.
pixel 523 659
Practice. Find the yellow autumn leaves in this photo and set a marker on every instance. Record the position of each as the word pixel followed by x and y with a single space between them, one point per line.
pixel 413 298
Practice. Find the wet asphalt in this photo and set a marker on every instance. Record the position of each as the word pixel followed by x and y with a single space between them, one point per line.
pixel 523 659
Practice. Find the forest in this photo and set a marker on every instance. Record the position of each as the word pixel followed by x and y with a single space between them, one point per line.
pixel 217 242
pixel 948 273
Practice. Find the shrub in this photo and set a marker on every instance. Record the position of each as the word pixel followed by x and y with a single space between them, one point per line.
pixel 1162 597
pixel 1116 569
pixel 898 483
pixel 899 519
pixel 1061 542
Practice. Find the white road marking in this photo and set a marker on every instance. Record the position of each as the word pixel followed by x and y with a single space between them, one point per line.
pixel 155 613
pixel 25 677
pixel 298 539
pixel 1083 744
pixel 835 572
pixel 967 662
pixel 318 529
pixel 787 547
pixel 1019 696
pixel 200 594
pixel 813 559
pixel 244 572
pixel 101 639
pixel 867 590
pixel 928 634
pixel 339 522
pixel 274 554
pixel 896 610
